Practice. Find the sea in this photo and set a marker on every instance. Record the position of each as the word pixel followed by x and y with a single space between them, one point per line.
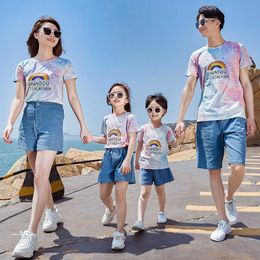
pixel 9 153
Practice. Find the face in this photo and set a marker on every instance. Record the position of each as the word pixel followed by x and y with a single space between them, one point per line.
pixel 48 35
pixel 207 26
pixel 117 97
pixel 155 111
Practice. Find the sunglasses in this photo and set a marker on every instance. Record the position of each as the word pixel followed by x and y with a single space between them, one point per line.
pixel 155 109
pixel 115 94
pixel 48 31
pixel 203 21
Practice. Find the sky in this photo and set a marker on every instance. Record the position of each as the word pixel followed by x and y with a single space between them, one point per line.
pixel 145 43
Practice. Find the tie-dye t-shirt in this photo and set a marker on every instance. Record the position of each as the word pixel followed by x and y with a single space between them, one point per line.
pixel 44 79
pixel 155 146
pixel 115 128
pixel 218 71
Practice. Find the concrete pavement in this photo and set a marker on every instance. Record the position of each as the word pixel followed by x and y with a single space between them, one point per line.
pixel 190 212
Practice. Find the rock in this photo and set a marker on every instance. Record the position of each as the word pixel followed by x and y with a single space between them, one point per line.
pixel 88 170
pixel 17 184
pixel 187 141
pixel 254 75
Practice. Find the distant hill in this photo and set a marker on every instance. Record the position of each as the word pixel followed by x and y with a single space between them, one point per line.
pixel 69 136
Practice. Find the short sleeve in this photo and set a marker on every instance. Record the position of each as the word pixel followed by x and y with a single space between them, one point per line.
pixel 140 134
pixel 245 60
pixel 104 127
pixel 132 125
pixel 169 135
pixel 69 73
pixel 192 69
pixel 19 75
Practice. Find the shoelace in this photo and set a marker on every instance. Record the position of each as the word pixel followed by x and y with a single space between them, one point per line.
pixel 25 238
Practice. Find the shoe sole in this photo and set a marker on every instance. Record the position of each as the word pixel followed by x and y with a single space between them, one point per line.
pixel 21 255
pixel 137 229
pixel 118 248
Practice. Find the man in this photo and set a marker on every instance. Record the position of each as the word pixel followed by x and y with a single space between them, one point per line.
pixel 222 68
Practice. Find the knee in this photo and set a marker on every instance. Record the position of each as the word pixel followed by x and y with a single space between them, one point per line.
pixel 40 178
pixel 238 168
pixel 144 195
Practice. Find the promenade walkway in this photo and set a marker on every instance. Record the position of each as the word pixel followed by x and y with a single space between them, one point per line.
pixel 190 211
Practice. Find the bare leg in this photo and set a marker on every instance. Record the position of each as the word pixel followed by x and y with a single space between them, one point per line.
pixel 121 188
pixel 234 180
pixel 105 190
pixel 31 158
pixel 217 191
pixel 143 199
pixel 160 190
pixel 42 168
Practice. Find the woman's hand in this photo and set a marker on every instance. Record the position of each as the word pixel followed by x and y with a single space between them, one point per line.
pixel 7 133
pixel 126 166
pixel 86 136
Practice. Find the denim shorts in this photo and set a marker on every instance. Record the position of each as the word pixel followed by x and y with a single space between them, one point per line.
pixel 158 177
pixel 215 136
pixel 41 127
pixel 111 167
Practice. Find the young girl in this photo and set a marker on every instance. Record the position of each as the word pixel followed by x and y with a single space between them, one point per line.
pixel 153 140
pixel 39 82
pixel 119 134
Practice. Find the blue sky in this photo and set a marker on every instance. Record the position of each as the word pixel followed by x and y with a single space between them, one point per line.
pixel 145 43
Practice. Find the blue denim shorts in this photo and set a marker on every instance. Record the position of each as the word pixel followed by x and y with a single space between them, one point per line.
pixel 158 177
pixel 213 137
pixel 111 167
pixel 41 127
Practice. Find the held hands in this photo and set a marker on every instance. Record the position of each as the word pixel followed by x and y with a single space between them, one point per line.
pixel 7 133
pixel 126 166
pixel 250 126
pixel 179 129
pixel 137 165
pixel 86 136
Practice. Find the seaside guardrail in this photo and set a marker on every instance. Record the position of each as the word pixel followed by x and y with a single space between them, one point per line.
pixel 57 165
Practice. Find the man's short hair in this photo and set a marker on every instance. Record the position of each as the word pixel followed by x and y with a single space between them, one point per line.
pixel 211 12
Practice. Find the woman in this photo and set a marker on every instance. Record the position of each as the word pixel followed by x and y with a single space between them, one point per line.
pixel 39 82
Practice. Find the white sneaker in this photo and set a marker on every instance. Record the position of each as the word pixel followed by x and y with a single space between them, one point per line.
pixel 161 219
pixel 231 212
pixel 118 241
pixel 51 220
pixel 27 244
pixel 108 216
pixel 220 233
pixel 138 225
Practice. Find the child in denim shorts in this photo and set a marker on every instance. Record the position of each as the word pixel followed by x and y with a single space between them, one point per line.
pixel 153 140
pixel 119 136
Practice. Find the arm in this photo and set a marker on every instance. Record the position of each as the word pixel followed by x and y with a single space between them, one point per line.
pixel 16 107
pixel 126 165
pixel 249 100
pixel 186 99
pixel 99 139
pixel 137 154
pixel 76 107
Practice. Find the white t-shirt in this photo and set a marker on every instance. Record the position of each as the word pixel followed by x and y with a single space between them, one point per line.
pixel 155 146
pixel 44 79
pixel 116 128
pixel 218 70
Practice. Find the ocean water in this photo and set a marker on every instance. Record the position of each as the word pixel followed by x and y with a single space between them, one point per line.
pixel 9 153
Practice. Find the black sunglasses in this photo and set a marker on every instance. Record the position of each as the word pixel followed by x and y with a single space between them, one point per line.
pixel 115 94
pixel 156 109
pixel 48 31
pixel 203 21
